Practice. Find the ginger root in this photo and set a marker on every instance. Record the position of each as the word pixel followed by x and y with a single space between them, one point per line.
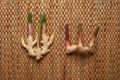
pixel 30 41
pixel 38 51
pixel 46 42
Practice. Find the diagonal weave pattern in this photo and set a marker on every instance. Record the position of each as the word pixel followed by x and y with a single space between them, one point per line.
pixel 15 64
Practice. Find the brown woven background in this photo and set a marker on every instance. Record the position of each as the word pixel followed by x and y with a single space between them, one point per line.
pixel 103 65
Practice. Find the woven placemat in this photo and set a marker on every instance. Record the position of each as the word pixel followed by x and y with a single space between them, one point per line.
pixel 15 64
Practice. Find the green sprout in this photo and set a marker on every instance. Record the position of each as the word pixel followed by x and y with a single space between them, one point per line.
pixel 29 18
pixel 79 28
pixel 42 21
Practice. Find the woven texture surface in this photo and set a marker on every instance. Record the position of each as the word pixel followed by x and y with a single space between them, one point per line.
pixel 15 64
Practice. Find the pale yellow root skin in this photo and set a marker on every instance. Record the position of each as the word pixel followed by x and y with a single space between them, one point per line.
pixel 29 45
pixel 80 48
pixel 38 52
pixel 72 48
pixel 46 41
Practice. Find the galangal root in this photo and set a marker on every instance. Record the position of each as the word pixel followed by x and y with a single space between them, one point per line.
pixel 80 48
